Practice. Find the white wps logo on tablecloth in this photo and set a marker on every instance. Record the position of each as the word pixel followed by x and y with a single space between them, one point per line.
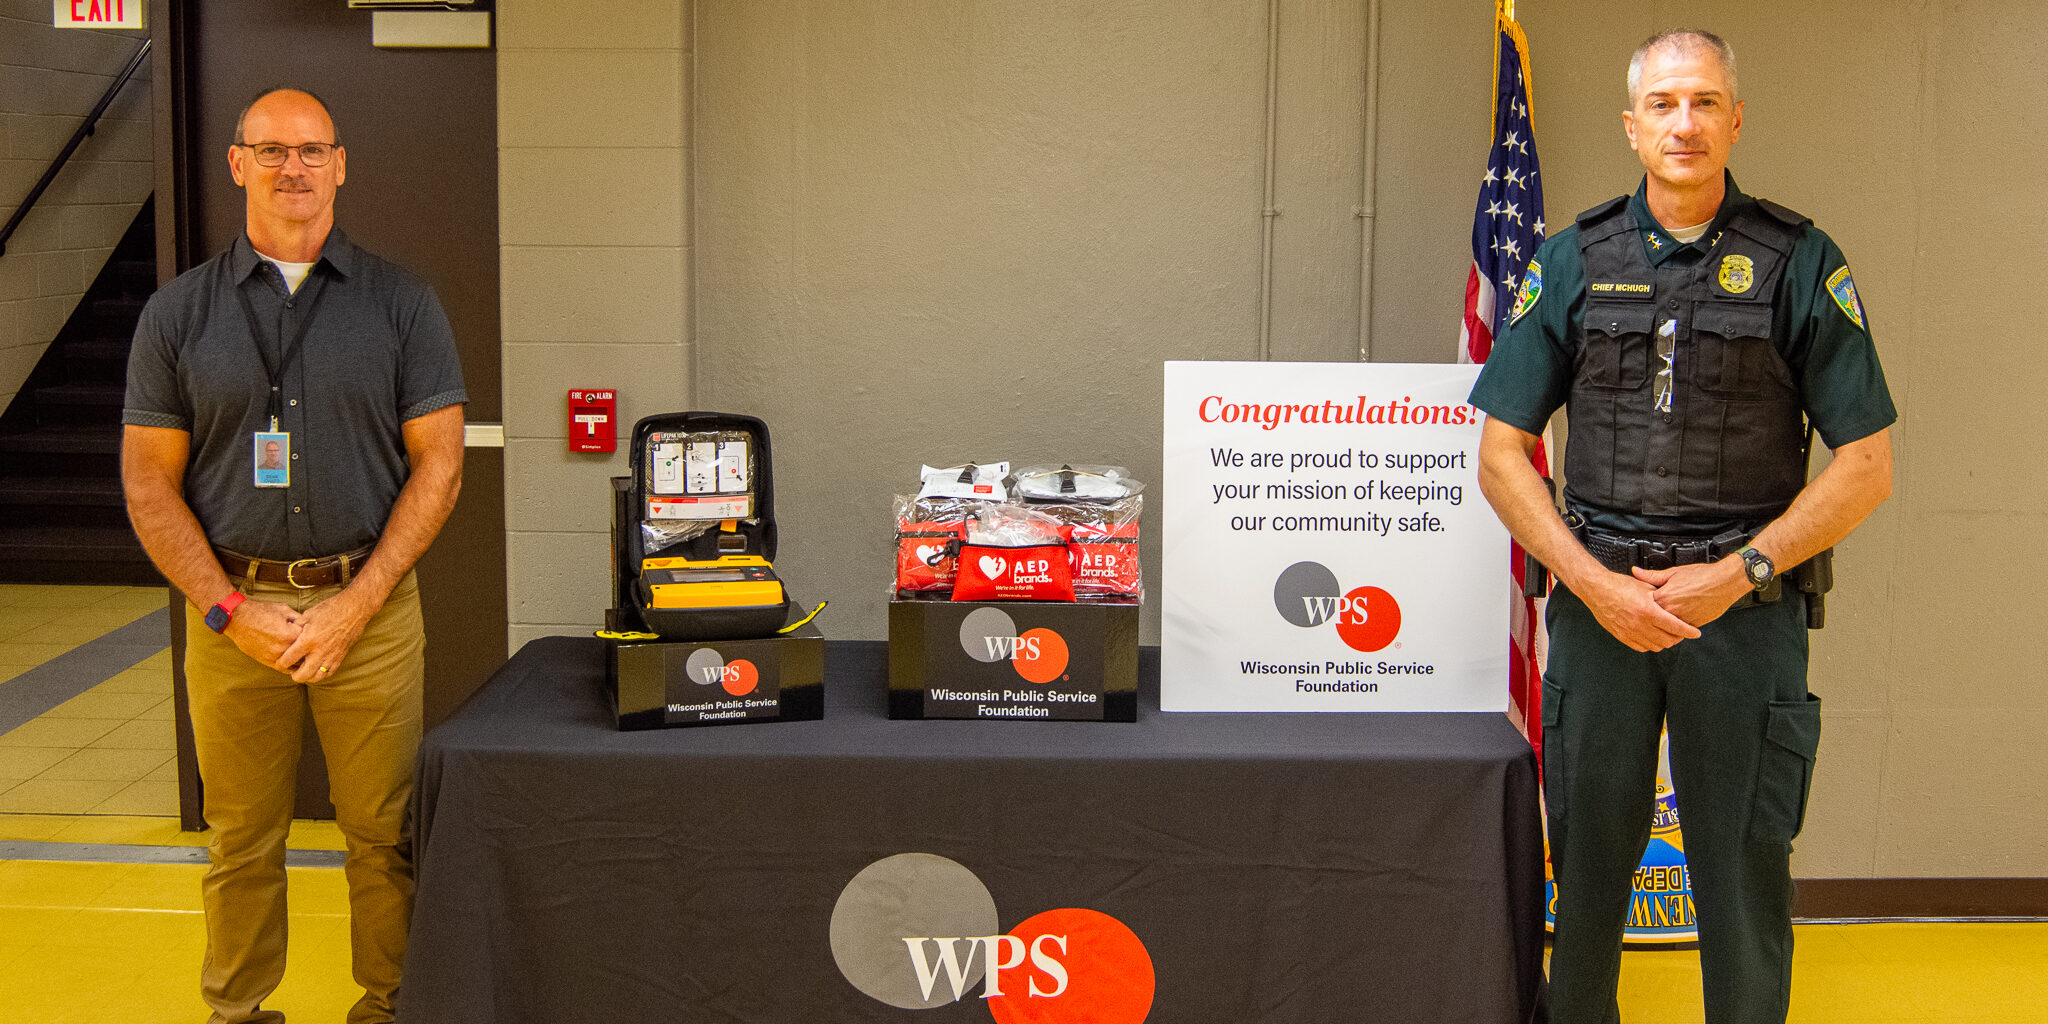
pixel 1353 488
pixel 917 930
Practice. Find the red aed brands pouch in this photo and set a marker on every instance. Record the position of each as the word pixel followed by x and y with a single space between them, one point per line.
pixel 925 559
pixel 1105 560
pixel 1038 572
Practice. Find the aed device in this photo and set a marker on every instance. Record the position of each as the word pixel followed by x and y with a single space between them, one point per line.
pixel 593 420
pixel 697 535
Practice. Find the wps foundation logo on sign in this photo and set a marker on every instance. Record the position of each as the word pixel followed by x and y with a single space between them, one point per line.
pixel 1308 595
pixel 707 667
pixel 917 931
pixel 989 635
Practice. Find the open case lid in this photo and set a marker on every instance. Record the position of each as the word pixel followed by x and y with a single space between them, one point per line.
pixel 669 484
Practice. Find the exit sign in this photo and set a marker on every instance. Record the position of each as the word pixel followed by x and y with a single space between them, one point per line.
pixel 100 13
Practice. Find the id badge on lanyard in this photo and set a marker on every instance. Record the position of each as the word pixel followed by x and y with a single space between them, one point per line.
pixel 273 458
pixel 270 451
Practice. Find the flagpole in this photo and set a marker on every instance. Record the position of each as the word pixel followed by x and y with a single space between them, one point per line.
pixel 1368 203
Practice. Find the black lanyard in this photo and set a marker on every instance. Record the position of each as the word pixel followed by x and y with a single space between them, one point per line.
pixel 286 354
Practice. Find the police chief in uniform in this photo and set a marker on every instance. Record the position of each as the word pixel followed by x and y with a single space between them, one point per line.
pixel 1694 334
pixel 296 341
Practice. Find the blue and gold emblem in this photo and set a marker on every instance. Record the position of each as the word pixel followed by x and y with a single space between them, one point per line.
pixel 1843 288
pixel 1655 242
pixel 1531 290
pixel 1738 273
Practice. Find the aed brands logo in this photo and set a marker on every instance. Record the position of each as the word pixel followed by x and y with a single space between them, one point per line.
pixel 1029 570
pixel 1367 618
pixel 917 931
pixel 706 667
pixel 989 635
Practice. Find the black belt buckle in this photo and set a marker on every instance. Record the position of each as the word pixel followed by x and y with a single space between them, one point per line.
pixel 1652 554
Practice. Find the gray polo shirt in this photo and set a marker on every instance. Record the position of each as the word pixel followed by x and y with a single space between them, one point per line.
pixel 378 352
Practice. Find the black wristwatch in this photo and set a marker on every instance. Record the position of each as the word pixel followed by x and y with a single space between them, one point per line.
pixel 1757 566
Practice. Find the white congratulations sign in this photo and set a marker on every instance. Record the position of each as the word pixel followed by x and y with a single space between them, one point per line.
pixel 1326 544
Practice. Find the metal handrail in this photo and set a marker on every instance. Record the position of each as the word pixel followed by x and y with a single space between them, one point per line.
pixel 92 121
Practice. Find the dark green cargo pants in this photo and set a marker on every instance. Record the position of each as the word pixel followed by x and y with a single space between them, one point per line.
pixel 1743 735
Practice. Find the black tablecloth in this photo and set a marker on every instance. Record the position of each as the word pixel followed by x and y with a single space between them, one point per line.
pixel 1319 868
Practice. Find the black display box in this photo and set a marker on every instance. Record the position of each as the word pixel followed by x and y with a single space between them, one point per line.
pixel 659 684
pixel 1016 660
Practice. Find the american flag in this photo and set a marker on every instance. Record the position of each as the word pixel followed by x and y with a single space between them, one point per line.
pixel 1507 225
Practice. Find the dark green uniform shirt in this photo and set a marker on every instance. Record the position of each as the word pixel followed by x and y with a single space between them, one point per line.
pixel 1818 325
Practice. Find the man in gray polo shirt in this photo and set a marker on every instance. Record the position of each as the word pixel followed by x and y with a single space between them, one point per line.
pixel 296 342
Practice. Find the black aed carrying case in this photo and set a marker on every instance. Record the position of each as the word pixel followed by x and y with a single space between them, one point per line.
pixel 697 540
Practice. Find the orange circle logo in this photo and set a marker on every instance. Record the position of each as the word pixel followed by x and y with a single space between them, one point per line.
pixel 1368 619
pixel 740 677
pixel 1080 967
pixel 1041 655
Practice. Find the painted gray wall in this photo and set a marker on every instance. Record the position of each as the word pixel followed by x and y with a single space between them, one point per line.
pixel 923 232
pixel 49 80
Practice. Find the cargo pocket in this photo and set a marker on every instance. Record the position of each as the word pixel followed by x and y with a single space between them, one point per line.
pixel 1784 772
pixel 1553 741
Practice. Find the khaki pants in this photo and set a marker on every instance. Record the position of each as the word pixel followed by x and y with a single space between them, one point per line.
pixel 247 720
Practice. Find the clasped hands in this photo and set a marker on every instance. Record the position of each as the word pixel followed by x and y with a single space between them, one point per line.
pixel 309 645
pixel 1654 609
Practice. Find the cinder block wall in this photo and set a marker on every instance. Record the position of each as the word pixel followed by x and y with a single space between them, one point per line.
pixel 593 143
pixel 49 80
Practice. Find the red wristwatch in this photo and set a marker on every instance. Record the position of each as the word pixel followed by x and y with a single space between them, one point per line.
pixel 217 616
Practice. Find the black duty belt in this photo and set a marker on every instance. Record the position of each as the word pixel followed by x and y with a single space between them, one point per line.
pixel 304 573
pixel 1620 552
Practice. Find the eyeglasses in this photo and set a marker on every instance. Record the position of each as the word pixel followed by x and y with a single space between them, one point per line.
pixel 274 154
pixel 1667 350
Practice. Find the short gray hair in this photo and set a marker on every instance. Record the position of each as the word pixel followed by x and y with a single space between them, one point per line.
pixel 1687 41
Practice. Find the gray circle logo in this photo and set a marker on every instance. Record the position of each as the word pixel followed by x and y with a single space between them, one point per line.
pixel 705 666
pixel 909 896
pixel 980 624
pixel 1306 594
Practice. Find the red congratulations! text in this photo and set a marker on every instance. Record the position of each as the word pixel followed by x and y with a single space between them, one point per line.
pixel 1270 415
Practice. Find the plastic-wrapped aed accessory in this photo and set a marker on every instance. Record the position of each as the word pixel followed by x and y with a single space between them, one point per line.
pixel 1099 508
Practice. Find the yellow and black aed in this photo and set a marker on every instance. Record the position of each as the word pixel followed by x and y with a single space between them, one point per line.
pixel 729 581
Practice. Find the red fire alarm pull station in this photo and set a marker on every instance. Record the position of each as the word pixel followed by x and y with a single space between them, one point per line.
pixel 593 420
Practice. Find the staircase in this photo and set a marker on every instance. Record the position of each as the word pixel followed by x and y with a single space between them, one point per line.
pixel 62 518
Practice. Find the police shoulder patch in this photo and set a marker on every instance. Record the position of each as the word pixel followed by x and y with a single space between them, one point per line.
pixel 1843 288
pixel 1531 290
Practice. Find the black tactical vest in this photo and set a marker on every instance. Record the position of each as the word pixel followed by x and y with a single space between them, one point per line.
pixel 1731 443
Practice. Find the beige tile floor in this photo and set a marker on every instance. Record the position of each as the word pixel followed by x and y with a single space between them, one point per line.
pixel 109 750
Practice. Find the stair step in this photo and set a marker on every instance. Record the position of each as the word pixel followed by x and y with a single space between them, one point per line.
pixel 117 315
pixel 71 491
pixel 83 394
pixel 74 554
pixel 136 277
pixel 95 439
pixel 71 543
pixel 97 348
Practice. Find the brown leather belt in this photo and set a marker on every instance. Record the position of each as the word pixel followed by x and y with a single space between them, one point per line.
pixel 305 574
